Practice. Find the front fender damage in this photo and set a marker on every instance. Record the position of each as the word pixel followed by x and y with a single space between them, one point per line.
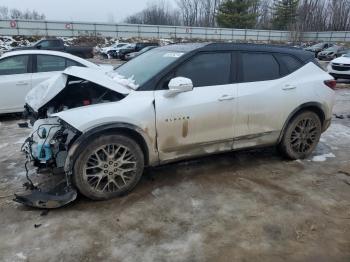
pixel 57 197
pixel 46 149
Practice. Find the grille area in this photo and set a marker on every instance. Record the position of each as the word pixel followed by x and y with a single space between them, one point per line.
pixel 341 67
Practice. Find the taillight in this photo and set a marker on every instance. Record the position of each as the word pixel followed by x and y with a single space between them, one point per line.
pixel 86 102
pixel 331 83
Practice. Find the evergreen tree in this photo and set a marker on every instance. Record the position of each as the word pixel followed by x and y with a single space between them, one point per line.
pixel 237 13
pixel 285 13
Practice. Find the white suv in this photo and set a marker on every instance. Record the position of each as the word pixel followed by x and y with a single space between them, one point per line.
pixel 176 102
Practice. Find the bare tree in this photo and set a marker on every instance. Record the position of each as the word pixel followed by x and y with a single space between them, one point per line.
pixel 4 12
pixel 339 18
pixel 312 15
pixel 158 13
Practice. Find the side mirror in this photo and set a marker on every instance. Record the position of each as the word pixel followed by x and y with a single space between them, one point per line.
pixel 179 85
pixel 38 46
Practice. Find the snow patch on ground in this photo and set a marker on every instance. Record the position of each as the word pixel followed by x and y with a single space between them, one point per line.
pixel 3 145
pixel 20 255
pixel 20 141
pixel 11 165
pixel 322 158
pixel 156 192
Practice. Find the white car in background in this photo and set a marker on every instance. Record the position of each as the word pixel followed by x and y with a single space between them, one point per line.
pixel 340 67
pixel 114 47
pixel 20 71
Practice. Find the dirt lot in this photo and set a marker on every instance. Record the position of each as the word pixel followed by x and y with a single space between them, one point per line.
pixel 241 206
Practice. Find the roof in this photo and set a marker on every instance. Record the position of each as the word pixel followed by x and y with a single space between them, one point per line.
pixel 188 47
pixel 300 53
pixel 48 52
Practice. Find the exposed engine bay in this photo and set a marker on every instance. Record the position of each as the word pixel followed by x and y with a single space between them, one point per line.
pixel 51 138
pixel 77 93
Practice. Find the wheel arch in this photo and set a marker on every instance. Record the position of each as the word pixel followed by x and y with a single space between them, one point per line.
pixel 132 131
pixel 310 106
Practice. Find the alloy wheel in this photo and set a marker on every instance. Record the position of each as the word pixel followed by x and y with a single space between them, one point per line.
pixel 304 135
pixel 110 168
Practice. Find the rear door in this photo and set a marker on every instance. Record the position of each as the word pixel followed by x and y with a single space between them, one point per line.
pixel 15 82
pixel 46 66
pixel 264 97
pixel 199 121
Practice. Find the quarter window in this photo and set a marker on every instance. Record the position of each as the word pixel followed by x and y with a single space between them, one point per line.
pixel 207 69
pixel 14 65
pixel 259 67
pixel 290 62
pixel 48 63
pixel 72 63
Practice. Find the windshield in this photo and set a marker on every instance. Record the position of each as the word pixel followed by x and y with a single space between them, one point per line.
pixel 144 67
pixel 332 49
pixel 37 42
pixel 118 45
pixel 319 45
pixel 146 49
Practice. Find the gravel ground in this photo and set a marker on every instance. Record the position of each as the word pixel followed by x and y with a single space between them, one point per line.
pixel 241 206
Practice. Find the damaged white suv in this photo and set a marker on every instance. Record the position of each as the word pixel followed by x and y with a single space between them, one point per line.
pixel 172 103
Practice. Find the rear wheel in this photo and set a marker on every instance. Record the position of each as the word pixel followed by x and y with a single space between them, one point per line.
pixel 301 136
pixel 110 166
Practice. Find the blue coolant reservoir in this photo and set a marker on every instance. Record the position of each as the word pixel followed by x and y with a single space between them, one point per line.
pixel 44 152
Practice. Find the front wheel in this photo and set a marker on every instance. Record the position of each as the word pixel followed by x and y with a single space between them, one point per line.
pixel 301 135
pixel 109 166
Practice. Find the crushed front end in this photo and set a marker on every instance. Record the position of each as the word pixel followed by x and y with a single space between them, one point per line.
pixel 48 145
pixel 46 149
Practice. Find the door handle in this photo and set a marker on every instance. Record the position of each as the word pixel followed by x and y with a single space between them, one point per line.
pixel 288 87
pixel 22 83
pixel 226 97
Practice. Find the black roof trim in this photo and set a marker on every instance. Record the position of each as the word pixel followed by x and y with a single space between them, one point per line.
pixel 305 56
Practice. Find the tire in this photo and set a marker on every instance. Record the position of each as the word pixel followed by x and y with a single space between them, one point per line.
pixel 109 166
pixel 301 136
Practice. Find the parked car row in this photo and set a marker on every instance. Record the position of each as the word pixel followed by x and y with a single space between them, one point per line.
pixel 327 51
pixel 121 50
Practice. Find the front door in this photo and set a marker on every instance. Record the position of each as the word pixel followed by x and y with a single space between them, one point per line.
pixel 200 121
pixel 15 83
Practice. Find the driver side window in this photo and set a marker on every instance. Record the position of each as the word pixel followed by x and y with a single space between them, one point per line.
pixel 207 69
pixel 14 65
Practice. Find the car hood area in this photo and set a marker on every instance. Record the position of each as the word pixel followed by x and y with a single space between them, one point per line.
pixel 342 60
pixel 46 91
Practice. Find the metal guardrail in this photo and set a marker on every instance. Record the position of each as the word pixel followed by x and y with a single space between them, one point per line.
pixel 73 29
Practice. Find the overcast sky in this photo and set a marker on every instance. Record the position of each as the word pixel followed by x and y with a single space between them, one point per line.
pixel 81 10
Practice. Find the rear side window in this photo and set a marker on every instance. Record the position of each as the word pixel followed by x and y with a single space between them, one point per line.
pixel 290 62
pixel 259 67
pixel 72 63
pixel 49 63
pixel 207 69
pixel 50 44
pixel 14 65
